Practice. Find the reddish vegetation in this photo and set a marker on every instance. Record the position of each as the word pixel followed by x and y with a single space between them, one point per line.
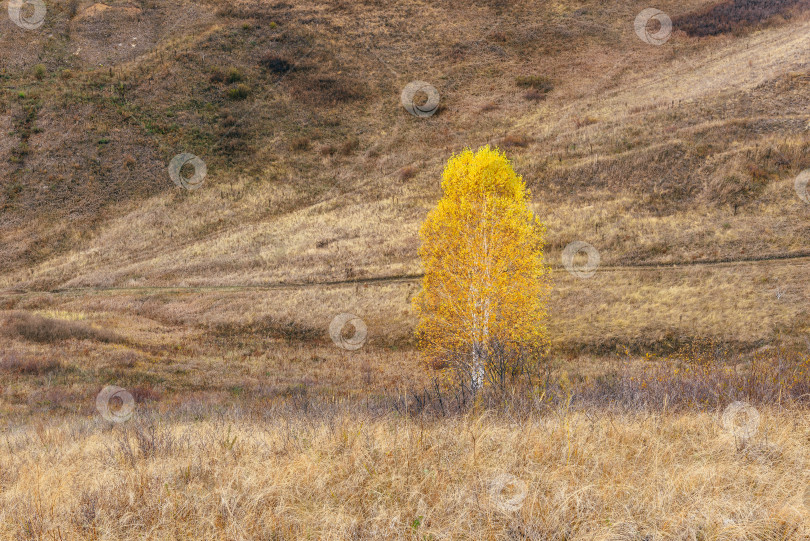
pixel 13 364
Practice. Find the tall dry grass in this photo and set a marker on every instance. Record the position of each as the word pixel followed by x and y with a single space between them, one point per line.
pixel 203 474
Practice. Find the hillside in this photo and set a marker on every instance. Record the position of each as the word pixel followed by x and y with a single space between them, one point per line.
pixel 680 153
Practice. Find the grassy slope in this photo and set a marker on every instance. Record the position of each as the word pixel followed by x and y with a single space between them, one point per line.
pixel 653 154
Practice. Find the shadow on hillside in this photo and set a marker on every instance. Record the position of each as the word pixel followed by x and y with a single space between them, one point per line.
pixel 734 16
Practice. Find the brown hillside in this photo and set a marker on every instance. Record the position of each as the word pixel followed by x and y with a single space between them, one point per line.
pixel 681 152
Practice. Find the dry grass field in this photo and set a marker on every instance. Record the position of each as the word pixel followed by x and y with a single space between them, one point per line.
pixel 199 473
pixel 212 307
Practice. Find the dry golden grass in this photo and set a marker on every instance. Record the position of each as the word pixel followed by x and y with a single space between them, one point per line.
pixel 247 428
pixel 746 305
pixel 587 475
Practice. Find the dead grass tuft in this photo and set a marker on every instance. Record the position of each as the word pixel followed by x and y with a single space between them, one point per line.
pixel 300 144
pixel 408 172
pixel 534 95
pixel 516 141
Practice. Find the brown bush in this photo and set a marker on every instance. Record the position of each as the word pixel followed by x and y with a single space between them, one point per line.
pixel 299 144
pixel 349 146
pixel 736 190
pixel 32 367
pixel 512 141
pixel 581 122
pixel 535 82
pixel 268 327
pixel 217 76
pixel 534 95
pixel 45 330
pixel 145 393
pixel 330 90
pixel 407 172
pixel 275 63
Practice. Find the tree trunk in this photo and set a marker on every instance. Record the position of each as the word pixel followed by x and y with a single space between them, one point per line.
pixel 477 375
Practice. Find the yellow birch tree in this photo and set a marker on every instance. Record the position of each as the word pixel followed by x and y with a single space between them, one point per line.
pixel 482 307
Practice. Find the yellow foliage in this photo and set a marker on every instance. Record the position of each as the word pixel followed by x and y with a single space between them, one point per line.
pixel 484 292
